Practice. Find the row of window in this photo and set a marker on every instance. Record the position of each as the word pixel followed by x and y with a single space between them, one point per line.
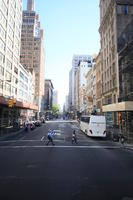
pixel 23 94
pixel 2 58
pixel 9 67
pixel 3 7
pixel 13 9
pixel 1 70
pixel 2 45
pixel 31 14
pixel 26 31
pixel 27 26
pixel 2 32
pixel 28 21
pixel 22 85
pixel 23 77
pixel 3 19
pixel 10 45
pixel 7 87
pixel 109 85
pixel 108 72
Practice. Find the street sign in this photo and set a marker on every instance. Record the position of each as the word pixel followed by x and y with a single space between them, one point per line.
pixel 10 103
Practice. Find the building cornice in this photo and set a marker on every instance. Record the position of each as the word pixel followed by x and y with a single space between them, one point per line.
pixel 105 18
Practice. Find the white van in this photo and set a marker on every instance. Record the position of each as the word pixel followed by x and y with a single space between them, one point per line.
pixel 93 125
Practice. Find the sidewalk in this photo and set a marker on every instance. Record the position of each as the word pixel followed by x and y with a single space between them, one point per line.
pixel 129 146
pixel 126 145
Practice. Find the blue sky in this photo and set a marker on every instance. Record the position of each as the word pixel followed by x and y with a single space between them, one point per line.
pixel 70 27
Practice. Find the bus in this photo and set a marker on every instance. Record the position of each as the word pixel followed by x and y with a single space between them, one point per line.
pixel 93 125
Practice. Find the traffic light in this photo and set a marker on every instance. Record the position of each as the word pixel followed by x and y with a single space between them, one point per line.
pixel 10 103
pixel 14 102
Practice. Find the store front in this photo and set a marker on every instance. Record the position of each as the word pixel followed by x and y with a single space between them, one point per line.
pixel 14 113
pixel 120 115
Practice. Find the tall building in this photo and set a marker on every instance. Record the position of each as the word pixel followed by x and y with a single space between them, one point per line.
pixel 55 97
pixel 125 48
pixel 32 51
pixel 72 74
pixel 80 91
pixel 81 58
pixel 116 18
pixel 48 95
pixel 98 83
pixel 30 5
pixel 10 33
pixel 14 79
pixel 91 90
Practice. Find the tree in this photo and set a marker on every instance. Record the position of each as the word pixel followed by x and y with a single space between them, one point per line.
pixel 55 110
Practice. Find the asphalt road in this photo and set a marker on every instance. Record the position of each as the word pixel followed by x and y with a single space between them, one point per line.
pixel 92 169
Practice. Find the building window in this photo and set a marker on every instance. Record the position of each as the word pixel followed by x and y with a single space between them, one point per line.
pixel 2 32
pixel 11 33
pixel 1 84
pixel 114 98
pixel 16 70
pixel 21 93
pixel 2 45
pixel 14 90
pixel 10 43
pixel 15 80
pixel 125 9
pixel 3 19
pixel 114 82
pixel 22 75
pixel 9 53
pixel 1 70
pixel 8 76
pixel 9 64
pixel 2 58
pixel 7 87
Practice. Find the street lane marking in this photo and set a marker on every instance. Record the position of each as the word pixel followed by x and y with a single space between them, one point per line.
pixel 42 138
pixel 11 141
pixel 80 147
pixel 57 131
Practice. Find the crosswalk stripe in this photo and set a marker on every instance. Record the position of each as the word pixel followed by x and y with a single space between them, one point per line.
pixel 40 146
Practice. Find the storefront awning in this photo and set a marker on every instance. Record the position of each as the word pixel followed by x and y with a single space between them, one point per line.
pixel 122 106
pixel 18 104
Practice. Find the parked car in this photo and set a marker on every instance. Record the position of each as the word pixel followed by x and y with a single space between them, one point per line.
pixel 38 123
pixel 32 125
pixel 42 120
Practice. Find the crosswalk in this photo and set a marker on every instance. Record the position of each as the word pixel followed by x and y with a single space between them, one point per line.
pixel 59 146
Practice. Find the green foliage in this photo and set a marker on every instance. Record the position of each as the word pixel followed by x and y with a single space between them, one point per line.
pixel 55 109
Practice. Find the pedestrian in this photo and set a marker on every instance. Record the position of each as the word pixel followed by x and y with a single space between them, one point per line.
pixel 122 140
pixel 26 126
pixel 50 137
pixel 74 138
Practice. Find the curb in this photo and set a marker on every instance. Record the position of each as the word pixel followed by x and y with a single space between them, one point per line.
pixel 129 148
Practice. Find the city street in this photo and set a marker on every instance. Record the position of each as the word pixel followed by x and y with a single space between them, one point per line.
pixel 94 168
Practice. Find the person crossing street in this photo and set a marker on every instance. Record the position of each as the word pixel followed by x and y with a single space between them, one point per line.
pixel 50 137
pixel 74 138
